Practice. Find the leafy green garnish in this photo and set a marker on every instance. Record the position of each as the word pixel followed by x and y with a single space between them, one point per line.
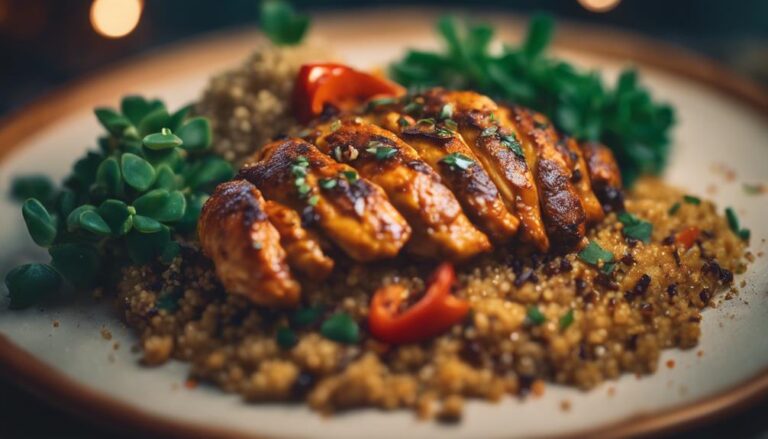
pixel 285 337
pixel 690 199
pixel 733 223
pixel 125 202
pixel 566 320
pixel 39 187
pixel 380 150
pixel 535 316
pixel 28 284
pixel 675 207
pixel 636 228
pixel 623 116
pixel 457 160
pixel 511 142
pixel 592 254
pixel 340 327
pixel 281 23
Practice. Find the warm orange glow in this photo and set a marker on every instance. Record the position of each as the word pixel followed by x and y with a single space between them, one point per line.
pixel 115 18
pixel 599 5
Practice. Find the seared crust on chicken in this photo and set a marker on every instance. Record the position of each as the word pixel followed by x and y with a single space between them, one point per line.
pixel 561 207
pixel 302 246
pixel 581 181
pixel 472 186
pixel 604 175
pixel 353 213
pixel 245 247
pixel 494 145
pixel 440 228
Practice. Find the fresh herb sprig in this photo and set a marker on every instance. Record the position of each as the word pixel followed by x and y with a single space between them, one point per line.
pixel 127 201
pixel 624 116
pixel 281 23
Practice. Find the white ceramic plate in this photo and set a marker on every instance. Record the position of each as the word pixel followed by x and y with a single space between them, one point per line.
pixel 74 365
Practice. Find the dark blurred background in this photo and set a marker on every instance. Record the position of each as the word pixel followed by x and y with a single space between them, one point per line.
pixel 46 43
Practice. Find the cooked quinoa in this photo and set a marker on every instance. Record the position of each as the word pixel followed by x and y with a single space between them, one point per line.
pixel 251 104
pixel 620 322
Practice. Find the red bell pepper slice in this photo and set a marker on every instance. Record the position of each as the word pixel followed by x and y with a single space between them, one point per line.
pixel 321 84
pixel 688 236
pixel 432 315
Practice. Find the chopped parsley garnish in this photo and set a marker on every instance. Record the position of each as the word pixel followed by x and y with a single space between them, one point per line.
pixel 490 131
pixel 328 183
pixel 378 102
pixel 351 176
pixel 457 160
pixel 566 320
pixel 443 132
pixel 690 199
pixel 451 124
pixel 340 327
pixel 535 316
pixel 511 142
pixel 675 207
pixel 380 150
pixel 412 107
pixel 593 254
pixel 299 171
pixel 403 122
pixel 446 112
pixel 733 223
pixel 623 115
pixel 636 228
pixel 427 121
pixel 313 200
pixel 336 125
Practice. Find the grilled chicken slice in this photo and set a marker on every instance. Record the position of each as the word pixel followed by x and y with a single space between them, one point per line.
pixel 561 206
pixel 351 211
pixel 440 228
pixel 447 153
pixel 245 247
pixel 499 151
pixel 604 175
pixel 302 246
pixel 580 179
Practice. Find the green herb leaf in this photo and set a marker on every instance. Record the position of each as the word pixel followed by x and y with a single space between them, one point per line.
pixel 446 112
pixel 341 327
pixel 675 207
pixel 188 223
pixel 161 205
pixel 313 200
pixel 535 316
pixel 116 214
pixel 166 178
pixel 73 219
pixel 79 263
pixel 208 173
pixel 690 199
pixel 286 338
pixel 146 247
pixel 135 108
pixel 145 224
pixel 593 254
pixel 281 23
pixel 733 220
pixel 566 320
pixel 196 134
pixel 137 172
pixel 28 284
pixel 351 176
pixel 457 160
pixel 328 183
pixel 540 31
pixel 306 316
pixel 109 177
pixel 91 221
pixel 636 228
pixel 40 224
pixel 113 121
pixel 378 102
pixel 511 143
pixel 155 121
pixel 335 125
pixel 381 150
pixel 165 139
pixel 33 186
pixel 490 131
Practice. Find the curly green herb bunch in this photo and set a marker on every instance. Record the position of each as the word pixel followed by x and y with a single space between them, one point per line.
pixel 624 117
pixel 127 201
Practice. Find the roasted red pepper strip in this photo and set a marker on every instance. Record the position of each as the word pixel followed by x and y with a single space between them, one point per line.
pixel 336 84
pixel 434 314
pixel 688 236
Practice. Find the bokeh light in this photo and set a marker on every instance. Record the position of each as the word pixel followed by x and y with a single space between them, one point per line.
pixel 115 18
pixel 599 5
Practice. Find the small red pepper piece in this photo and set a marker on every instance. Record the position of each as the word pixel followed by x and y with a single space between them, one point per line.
pixel 336 84
pixel 688 236
pixel 432 315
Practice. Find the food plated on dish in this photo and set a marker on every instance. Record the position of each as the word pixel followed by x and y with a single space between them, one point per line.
pixel 392 244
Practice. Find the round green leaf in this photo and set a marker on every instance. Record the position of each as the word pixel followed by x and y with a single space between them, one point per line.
pixel 196 134
pixel 135 108
pixel 145 224
pixel 116 214
pixel 209 173
pixel 40 223
pixel 154 121
pixel 108 176
pixel 29 283
pixel 188 223
pixel 161 205
pixel 169 157
pixel 137 172
pixel 79 263
pixel 113 121
pixel 32 186
pixel 171 250
pixel 178 117
pixel 145 247
pixel 166 179
pixel 91 221
pixel 73 219
pixel 165 139
pixel 66 203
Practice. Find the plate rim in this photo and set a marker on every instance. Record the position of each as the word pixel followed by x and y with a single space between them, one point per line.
pixel 22 368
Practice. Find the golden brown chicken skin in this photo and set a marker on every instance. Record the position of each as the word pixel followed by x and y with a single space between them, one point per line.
pixel 604 175
pixel 561 207
pixel 350 210
pixel 443 148
pixel 302 246
pixel 440 228
pixel 245 247
pixel 580 179
pixel 499 150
